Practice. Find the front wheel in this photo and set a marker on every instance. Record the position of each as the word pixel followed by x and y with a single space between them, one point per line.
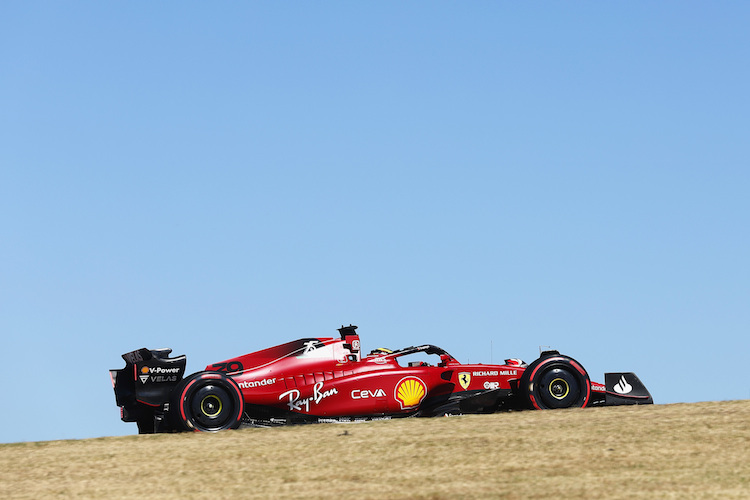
pixel 207 402
pixel 556 381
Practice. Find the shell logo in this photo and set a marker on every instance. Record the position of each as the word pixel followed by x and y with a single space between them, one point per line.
pixel 144 369
pixel 410 391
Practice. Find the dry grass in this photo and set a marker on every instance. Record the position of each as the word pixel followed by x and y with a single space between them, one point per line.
pixel 665 451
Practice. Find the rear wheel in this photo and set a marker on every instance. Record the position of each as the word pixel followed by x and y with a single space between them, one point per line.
pixel 555 382
pixel 208 402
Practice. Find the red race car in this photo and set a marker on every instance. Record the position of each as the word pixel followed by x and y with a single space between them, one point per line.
pixel 328 379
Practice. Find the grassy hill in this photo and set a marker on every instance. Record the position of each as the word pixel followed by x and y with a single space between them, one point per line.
pixel 664 451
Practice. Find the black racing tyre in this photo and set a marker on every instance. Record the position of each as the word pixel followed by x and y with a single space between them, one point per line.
pixel 207 402
pixel 555 381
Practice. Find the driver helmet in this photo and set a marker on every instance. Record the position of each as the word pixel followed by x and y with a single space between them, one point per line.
pixel 380 351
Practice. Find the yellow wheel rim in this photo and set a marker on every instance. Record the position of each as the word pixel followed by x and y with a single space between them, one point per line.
pixel 559 388
pixel 211 405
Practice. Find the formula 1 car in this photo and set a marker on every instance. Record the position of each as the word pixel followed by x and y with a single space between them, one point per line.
pixel 328 379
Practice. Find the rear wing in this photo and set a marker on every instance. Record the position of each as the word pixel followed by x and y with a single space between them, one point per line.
pixel 147 379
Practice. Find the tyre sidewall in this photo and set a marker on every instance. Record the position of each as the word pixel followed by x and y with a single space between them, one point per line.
pixel 567 373
pixel 192 392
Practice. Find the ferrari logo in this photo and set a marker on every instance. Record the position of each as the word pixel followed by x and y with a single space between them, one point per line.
pixel 464 378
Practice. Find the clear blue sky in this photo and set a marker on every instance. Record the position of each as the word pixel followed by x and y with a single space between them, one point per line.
pixel 219 177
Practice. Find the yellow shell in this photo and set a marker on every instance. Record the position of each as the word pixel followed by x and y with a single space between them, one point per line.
pixel 410 392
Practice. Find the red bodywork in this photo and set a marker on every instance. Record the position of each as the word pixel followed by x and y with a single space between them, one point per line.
pixel 329 378
pixel 319 379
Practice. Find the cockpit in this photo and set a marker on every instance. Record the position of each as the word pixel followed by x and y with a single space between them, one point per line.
pixel 415 356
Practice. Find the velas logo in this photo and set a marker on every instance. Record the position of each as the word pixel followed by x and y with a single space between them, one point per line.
pixel 158 374
pixel 410 391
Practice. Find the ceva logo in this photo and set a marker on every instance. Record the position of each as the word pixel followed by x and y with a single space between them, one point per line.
pixel 366 394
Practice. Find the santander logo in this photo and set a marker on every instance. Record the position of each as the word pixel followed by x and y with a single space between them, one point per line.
pixel 622 387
